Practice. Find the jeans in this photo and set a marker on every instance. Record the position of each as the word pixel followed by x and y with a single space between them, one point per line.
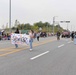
pixel 16 45
pixel 30 41
pixel 75 41
pixel 38 38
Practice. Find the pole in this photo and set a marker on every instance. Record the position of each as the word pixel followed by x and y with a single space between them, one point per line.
pixel 47 28
pixel 71 28
pixel 10 16
pixel 53 23
pixel 67 26
pixel 58 27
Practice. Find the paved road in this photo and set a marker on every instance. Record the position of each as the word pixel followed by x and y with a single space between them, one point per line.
pixel 49 57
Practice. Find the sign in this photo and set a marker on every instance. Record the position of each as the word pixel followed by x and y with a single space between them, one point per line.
pixel 20 38
pixel 65 21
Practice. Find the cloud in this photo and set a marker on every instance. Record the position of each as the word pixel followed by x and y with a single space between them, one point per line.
pixel 38 10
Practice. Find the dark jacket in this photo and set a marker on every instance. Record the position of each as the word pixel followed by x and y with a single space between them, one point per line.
pixel 17 32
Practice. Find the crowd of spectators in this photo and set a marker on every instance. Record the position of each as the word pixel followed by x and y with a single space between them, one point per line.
pixel 7 36
pixel 4 36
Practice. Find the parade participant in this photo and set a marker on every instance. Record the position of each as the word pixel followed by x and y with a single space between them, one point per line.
pixel 58 35
pixel 17 32
pixel 38 35
pixel 75 38
pixel 72 35
pixel 31 34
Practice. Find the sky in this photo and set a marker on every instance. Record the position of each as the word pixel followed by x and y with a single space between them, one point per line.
pixel 32 11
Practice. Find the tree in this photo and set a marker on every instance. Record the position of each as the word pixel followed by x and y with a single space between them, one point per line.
pixel 13 28
pixel 27 26
pixel 35 28
pixel 20 26
pixel 39 24
pixel 45 26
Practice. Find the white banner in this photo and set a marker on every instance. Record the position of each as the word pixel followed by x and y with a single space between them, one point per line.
pixel 20 38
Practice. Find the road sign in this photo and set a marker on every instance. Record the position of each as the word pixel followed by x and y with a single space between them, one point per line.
pixel 64 21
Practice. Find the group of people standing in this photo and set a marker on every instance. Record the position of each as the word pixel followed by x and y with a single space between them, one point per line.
pixel 73 37
pixel 58 35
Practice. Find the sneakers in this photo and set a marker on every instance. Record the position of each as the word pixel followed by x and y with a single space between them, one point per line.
pixel 30 49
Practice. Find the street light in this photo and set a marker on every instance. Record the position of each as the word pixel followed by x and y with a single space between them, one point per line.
pixel 65 22
pixel 10 16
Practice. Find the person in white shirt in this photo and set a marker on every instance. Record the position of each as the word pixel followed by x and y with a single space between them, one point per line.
pixel 31 34
pixel 38 35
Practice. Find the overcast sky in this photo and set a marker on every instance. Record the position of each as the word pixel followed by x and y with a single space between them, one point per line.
pixel 31 11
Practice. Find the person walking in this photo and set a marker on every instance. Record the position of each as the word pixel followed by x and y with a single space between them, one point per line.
pixel 58 35
pixel 38 35
pixel 72 35
pixel 17 32
pixel 75 38
pixel 31 34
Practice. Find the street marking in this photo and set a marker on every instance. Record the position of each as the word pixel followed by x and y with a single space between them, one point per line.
pixel 13 51
pixel 35 44
pixel 60 45
pixel 39 55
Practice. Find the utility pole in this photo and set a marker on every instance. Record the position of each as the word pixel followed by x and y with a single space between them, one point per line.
pixel 47 28
pixel 66 22
pixel 53 23
pixel 71 28
pixel 10 16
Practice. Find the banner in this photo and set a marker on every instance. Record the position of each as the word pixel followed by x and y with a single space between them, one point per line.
pixel 20 38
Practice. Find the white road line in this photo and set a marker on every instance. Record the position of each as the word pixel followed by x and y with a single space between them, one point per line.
pixel 39 55
pixel 70 41
pixel 60 45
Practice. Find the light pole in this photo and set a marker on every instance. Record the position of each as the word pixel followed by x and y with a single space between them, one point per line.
pixel 10 16
pixel 53 23
pixel 65 22
pixel 71 28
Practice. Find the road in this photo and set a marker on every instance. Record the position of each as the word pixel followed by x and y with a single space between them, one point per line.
pixel 49 57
